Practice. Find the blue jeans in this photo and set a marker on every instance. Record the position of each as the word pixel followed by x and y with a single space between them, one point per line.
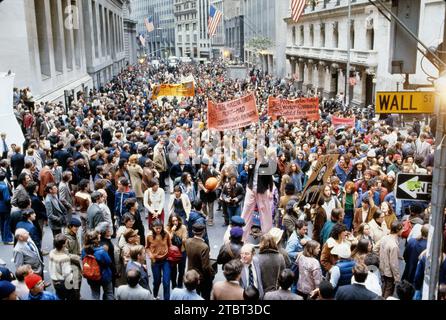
pixel 161 268
pixel 4 227
pixel 234 211
pixel 177 272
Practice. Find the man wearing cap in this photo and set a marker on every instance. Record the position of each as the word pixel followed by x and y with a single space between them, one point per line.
pixel 7 291
pixel 198 257
pixel 208 197
pixel 231 250
pixel 36 286
pixel 236 221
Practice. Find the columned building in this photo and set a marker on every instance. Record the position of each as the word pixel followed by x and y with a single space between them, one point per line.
pixel 130 35
pixel 316 49
pixel 61 47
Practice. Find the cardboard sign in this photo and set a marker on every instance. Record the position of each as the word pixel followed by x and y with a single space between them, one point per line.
pixel 233 114
pixel 319 177
pixel 186 89
pixel 337 122
pixel 294 110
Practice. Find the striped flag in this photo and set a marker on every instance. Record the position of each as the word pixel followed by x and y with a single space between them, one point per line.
pixel 214 18
pixel 149 24
pixel 297 8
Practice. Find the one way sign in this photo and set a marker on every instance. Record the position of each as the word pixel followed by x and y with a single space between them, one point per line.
pixel 414 186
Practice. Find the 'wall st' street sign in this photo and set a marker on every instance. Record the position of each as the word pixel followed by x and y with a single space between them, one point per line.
pixel 414 186
pixel 405 102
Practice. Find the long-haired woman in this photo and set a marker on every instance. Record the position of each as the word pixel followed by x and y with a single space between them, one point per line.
pixel 178 235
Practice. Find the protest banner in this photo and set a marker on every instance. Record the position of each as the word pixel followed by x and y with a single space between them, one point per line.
pixel 186 89
pixel 233 114
pixel 337 122
pixel 318 178
pixel 294 110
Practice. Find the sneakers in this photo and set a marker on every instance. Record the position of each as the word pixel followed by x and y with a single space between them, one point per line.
pixel 9 243
pixel 210 222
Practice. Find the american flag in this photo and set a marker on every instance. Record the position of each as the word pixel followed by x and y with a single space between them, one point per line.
pixel 297 8
pixel 149 24
pixel 214 18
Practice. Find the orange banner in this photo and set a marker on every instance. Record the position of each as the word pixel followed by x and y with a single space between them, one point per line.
pixel 186 89
pixel 233 114
pixel 294 110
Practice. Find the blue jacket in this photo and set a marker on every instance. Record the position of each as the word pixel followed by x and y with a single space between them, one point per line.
pixel 5 198
pixel 104 262
pixel 411 254
pixel 326 231
pixel 293 246
pixel 342 175
pixel 296 178
pixel 44 295
pixel 346 270
pixel 120 198
pixel 243 178
pixel 419 273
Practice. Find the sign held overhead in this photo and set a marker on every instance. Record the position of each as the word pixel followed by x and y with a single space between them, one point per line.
pixel 405 102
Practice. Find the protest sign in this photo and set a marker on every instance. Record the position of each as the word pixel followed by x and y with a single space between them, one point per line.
pixel 347 122
pixel 294 110
pixel 186 89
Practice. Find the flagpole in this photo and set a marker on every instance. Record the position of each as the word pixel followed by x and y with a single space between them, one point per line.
pixel 347 71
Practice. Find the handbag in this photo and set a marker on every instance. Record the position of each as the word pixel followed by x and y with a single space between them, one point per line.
pixel 174 255
pixel 177 241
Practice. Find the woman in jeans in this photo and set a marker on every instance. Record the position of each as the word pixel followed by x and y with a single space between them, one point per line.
pixel 178 235
pixel 157 246
pixel 310 272
pixel 92 247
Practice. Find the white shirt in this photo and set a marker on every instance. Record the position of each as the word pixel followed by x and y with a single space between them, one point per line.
pixel 154 201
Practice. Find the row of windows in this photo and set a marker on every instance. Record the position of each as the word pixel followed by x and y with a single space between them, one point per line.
pixel 187 27
pixel 335 36
pixel 180 38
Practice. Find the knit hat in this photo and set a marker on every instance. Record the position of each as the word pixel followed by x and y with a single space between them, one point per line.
pixel 75 222
pixel 32 279
pixel 6 288
pixel 236 232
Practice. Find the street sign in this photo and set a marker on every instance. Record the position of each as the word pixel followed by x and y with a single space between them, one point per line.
pixel 405 102
pixel 416 187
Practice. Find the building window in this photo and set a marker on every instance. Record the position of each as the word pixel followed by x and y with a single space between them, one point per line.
pixel 335 35
pixel 187 39
pixel 352 34
pixel 42 38
pixel 294 36
pixel 187 26
pixel 194 26
pixel 179 27
pixel 311 35
pixel 370 38
pixel 302 36
pixel 322 35
pixel 195 38
pixel 180 38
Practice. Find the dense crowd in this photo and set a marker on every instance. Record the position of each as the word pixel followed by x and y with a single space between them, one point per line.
pixel 124 184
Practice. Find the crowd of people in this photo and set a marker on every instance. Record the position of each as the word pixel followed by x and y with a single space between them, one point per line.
pixel 121 181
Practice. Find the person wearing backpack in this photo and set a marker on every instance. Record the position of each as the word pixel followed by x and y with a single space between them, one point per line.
pixel 96 266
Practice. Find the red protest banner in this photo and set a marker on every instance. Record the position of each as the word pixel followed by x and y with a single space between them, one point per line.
pixel 294 110
pixel 337 122
pixel 233 114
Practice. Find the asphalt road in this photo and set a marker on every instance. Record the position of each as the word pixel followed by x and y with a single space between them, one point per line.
pixel 215 234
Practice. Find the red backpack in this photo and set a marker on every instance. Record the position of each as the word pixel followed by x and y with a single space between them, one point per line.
pixel 90 268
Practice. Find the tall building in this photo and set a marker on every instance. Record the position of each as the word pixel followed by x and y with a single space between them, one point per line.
pixel 316 49
pixel 264 19
pixel 161 41
pixel 192 39
pixel 218 40
pixel 60 47
pixel 234 30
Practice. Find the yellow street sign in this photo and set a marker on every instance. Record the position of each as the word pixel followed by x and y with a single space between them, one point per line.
pixel 405 102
